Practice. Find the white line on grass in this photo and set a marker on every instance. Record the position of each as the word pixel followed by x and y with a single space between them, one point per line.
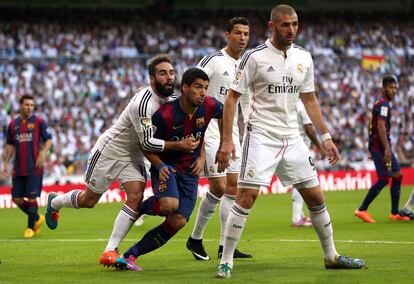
pixel 206 240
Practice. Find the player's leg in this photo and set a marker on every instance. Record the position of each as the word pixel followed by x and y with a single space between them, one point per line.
pixel 256 170
pixel 226 204
pixel 206 209
pixel 373 192
pixel 34 188
pixel 297 168
pixel 133 180
pixel 101 173
pixel 298 218
pixel 408 207
pixel 321 221
pixel 395 190
pixel 208 203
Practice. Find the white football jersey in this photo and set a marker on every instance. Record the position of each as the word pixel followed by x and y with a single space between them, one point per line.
pixel 133 128
pixel 220 68
pixel 303 119
pixel 275 79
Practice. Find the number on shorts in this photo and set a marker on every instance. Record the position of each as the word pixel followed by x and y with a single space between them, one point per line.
pixel 311 162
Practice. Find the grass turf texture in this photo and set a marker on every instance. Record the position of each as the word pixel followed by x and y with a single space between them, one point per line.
pixel 281 254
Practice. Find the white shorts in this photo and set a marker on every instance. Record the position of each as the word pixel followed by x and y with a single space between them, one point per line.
pixel 263 156
pixel 102 171
pixel 210 167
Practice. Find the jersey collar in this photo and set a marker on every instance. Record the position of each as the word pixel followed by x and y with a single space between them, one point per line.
pixel 277 51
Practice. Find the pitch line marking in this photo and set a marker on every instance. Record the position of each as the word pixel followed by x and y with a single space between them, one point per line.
pixel 208 240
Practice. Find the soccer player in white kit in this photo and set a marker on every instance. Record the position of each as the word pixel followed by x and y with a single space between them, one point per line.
pixel 117 155
pixel 307 133
pixel 277 72
pixel 220 67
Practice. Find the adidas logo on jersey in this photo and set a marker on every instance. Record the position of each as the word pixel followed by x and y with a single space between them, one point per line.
pixel 270 69
pixel 226 73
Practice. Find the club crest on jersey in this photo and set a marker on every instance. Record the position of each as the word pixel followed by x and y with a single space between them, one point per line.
pixel 30 126
pixel 237 77
pixel 93 182
pixel 250 173
pixel 299 68
pixel 211 169
pixel 200 122
pixel 162 187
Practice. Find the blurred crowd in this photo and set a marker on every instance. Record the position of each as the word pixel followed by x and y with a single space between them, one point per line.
pixel 84 65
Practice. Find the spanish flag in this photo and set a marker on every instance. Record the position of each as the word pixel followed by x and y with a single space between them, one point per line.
pixel 372 62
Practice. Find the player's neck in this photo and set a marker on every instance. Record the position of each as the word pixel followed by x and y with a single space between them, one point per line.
pixel 280 46
pixel 231 53
pixel 188 108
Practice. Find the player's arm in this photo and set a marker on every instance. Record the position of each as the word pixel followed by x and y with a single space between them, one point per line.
pixel 310 132
pixel 144 129
pixel 227 145
pixel 163 169
pixel 47 144
pixel 382 132
pixel 8 155
pixel 198 165
pixel 314 111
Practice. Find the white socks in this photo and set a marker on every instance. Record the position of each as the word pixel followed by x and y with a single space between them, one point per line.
pixel 207 207
pixel 322 223
pixel 297 203
pixel 123 222
pixel 234 228
pixel 409 205
pixel 226 204
pixel 67 200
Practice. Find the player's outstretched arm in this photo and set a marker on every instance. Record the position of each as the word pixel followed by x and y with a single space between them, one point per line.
pixel 314 111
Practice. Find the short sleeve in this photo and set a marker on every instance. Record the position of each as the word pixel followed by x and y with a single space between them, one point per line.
pixel 308 85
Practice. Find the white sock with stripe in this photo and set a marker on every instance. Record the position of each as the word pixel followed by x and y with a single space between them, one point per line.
pixel 234 228
pixel 322 223
pixel 227 202
pixel 66 200
pixel 207 207
pixel 123 223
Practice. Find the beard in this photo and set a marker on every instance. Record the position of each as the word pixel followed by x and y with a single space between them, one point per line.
pixel 162 90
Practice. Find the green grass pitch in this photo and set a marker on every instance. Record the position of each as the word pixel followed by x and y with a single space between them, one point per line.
pixel 281 254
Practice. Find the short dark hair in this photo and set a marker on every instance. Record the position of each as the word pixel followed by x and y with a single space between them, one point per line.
pixel 236 21
pixel 281 9
pixel 389 79
pixel 192 74
pixel 25 97
pixel 157 60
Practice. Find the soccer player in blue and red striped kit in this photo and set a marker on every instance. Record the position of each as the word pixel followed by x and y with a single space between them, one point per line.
pixel 28 140
pixel 175 174
pixel 379 146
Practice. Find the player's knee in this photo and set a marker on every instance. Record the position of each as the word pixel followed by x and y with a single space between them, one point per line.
pixel 218 190
pixel 247 198
pixel 383 181
pixel 18 201
pixel 397 176
pixel 168 207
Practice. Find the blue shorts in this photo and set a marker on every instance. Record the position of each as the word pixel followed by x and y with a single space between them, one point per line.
pixel 379 161
pixel 27 186
pixel 180 186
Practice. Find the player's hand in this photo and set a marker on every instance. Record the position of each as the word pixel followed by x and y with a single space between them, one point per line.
pixel 189 144
pixel 387 156
pixel 333 154
pixel 323 153
pixel 223 155
pixel 197 166
pixel 164 172
pixel 40 160
pixel 5 172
